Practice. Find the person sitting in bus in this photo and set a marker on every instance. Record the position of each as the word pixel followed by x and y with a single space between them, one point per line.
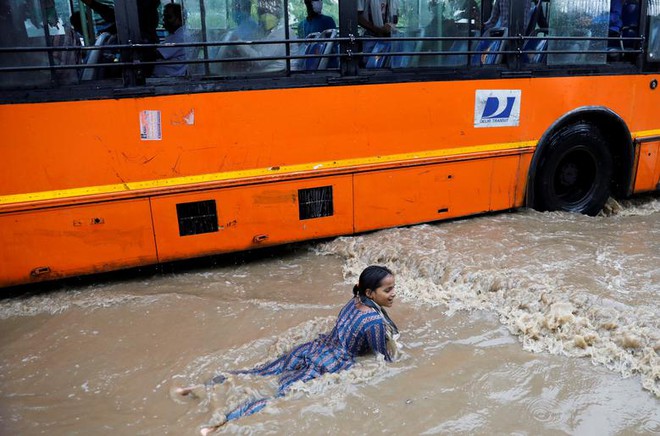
pixel 106 35
pixel 363 327
pixel 247 27
pixel 173 23
pixel 378 17
pixel 315 20
pixel 271 27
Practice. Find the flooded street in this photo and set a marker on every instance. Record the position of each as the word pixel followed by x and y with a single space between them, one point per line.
pixel 521 323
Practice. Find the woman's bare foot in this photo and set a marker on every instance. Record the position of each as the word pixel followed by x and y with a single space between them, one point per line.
pixel 217 422
pixel 185 391
pixel 208 429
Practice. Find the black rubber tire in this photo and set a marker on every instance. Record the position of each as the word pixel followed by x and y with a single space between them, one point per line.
pixel 574 173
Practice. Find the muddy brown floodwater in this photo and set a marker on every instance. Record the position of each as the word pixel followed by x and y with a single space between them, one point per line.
pixel 521 323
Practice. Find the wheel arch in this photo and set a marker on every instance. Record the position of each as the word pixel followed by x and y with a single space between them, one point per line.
pixel 615 132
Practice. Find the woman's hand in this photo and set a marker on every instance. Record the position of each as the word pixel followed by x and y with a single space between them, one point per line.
pixel 387 30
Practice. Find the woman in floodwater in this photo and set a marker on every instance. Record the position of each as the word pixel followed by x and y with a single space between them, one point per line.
pixel 362 326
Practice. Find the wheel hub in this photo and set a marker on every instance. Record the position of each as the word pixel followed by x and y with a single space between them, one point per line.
pixel 568 175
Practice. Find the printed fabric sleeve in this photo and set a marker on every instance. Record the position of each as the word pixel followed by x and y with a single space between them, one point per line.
pixel 494 15
pixel 377 338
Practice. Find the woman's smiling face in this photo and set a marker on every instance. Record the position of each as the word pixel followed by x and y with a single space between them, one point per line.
pixel 384 294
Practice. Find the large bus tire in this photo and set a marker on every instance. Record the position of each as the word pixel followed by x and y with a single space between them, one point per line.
pixel 575 171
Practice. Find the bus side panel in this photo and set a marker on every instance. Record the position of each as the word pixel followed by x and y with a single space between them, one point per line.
pixel 56 243
pixel 428 193
pixel 252 216
pixel 523 176
pixel 508 178
pixel 648 167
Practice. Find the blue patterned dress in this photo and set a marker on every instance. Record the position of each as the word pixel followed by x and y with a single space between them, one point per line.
pixel 357 332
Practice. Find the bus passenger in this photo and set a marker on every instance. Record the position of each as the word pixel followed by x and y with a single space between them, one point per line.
pixel 499 16
pixel 378 17
pixel 271 28
pixel 315 20
pixel 363 327
pixel 246 27
pixel 173 23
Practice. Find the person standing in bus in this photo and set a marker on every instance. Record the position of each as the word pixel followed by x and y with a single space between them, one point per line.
pixel 173 23
pixel 315 20
pixel 378 17
pixel 501 13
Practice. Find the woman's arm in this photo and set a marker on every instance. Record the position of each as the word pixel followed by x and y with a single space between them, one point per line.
pixel 376 335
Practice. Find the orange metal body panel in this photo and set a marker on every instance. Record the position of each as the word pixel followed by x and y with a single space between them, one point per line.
pixel 85 145
pixel 251 217
pixel 54 243
pixel 648 167
pixel 91 143
pixel 434 192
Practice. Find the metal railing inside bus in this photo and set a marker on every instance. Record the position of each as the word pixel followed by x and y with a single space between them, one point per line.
pixel 513 47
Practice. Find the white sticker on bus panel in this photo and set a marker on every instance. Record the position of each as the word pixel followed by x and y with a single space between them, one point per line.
pixel 150 128
pixel 497 108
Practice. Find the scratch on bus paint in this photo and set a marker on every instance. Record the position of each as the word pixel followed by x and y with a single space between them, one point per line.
pixel 123 182
pixel 176 164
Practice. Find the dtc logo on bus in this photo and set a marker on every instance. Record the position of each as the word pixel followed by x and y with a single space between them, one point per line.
pixel 497 108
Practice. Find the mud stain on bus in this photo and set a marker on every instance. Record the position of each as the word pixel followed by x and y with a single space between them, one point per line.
pixel 274 197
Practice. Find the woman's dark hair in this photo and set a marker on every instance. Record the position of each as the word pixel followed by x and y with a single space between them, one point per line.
pixel 371 278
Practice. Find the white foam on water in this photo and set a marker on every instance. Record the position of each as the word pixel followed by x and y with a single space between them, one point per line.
pixel 61 301
pixel 639 206
pixel 458 266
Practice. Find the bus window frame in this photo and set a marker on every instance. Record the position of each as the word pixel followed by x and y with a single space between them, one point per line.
pixel 350 72
pixel 128 30
pixel 644 30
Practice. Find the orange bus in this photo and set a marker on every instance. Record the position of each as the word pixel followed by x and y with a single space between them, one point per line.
pixel 264 132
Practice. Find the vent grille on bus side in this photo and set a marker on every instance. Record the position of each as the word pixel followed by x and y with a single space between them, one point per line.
pixel 315 202
pixel 198 217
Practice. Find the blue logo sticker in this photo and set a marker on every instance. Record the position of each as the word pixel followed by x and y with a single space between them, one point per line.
pixel 497 108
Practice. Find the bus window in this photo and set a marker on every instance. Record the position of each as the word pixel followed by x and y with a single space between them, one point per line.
pixel 441 18
pixel 654 31
pixel 244 21
pixel 585 19
pixel 205 21
pixel 22 24
pixel 323 15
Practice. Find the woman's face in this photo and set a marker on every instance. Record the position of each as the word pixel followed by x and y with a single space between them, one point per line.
pixel 385 293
